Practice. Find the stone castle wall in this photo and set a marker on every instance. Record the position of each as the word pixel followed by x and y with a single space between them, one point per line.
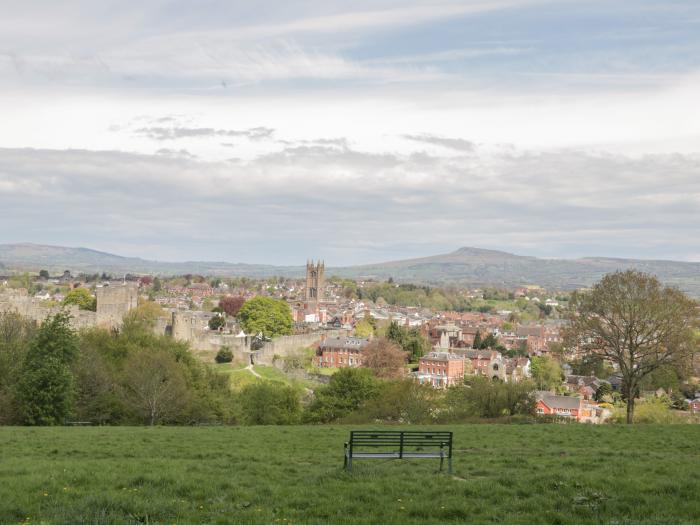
pixel 113 302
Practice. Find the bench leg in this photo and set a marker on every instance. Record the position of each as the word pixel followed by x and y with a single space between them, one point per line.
pixel 449 465
pixel 442 460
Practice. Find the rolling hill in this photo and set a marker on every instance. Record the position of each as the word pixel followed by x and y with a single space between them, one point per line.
pixel 465 266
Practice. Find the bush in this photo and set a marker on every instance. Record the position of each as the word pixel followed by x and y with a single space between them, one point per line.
pixel 649 411
pixel 347 390
pixel 266 403
pixel 224 355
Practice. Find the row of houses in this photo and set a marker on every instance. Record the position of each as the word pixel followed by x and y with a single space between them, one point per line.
pixel 440 368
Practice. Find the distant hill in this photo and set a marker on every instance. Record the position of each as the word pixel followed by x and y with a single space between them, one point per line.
pixel 465 267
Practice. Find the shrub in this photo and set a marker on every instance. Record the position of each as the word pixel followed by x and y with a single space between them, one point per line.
pixel 224 355
pixel 266 403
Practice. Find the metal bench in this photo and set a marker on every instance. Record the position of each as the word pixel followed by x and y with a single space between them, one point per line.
pixel 399 444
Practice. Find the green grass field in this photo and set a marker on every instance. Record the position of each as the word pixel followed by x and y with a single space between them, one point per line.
pixel 525 474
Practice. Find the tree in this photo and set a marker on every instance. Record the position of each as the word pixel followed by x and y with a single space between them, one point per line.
pixel 266 403
pixel 635 322
pixel 404 401
pixel 592 365
pixel 44 274
pixel 157 285
pixel 217 322
pixel 477 340
pixel 488 399
pixel 231 305
pixel 363 328
pixel 546 372
pixel 145 315
pixel 266 315
pixel 604 392
pixel 16 332
pixel 82 298
pixel 346 391
pixel 46 387
pixel 154 386
pixel 411 340
pixel 385 358
pixel 224 355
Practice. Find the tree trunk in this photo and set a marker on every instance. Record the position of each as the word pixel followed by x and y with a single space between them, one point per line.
pixel 630 409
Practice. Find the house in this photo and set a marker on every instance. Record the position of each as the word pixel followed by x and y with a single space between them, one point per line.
pixel 569 407
pixel 694 406
pixel 585 386
pixel 340 352
pixel 489 363
pixel 441 369
pixel 517 369
pixel 563 406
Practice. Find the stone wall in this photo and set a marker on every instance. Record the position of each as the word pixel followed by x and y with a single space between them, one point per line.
pixel 113 303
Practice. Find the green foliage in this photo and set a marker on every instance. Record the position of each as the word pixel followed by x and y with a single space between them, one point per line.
pixel 143 318
pixel 267 403
pixel 662 319
pixel 44 274
pixel 604 392
pixel 490 341
pixel 665 377
pixel 224 355
pixel 16 332
pixel 347 390
pixel 155 388
pixel 217 322
pixel 403 401
pixel 546 373
pixel 592 365
pixel 364 328
pixel 488 399
pixel 412 295
pixel 46 388
pixel 266 315
pixel 411 340
pixel 82 298
pixel 650 411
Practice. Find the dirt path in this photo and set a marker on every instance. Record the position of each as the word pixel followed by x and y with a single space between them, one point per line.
pixel 250 369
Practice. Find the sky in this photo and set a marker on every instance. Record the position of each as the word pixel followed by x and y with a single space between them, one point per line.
pixel 356 132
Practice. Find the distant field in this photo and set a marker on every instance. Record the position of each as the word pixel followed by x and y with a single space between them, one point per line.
pixel 524 474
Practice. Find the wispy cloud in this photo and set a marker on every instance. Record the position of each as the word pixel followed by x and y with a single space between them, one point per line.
pixel 450 143
pixel 174 133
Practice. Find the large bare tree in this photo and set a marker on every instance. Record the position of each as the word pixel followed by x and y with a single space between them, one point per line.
pixel 385 358
pixel 637 323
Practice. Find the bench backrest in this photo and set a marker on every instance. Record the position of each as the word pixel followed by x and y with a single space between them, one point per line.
pixel 400 439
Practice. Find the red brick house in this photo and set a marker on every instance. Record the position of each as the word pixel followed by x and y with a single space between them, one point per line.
pixel 563 406
pixel 340 352
pixel 441 369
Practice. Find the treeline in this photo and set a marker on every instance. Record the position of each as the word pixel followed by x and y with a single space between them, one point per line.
pixel 356 395
pixel 412 295
pixel 52 375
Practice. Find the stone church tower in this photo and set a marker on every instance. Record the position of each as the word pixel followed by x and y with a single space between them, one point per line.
pixel 315 281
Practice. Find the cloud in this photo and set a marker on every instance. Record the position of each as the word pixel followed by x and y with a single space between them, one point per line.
pixel 174 133
pixel 353 206
pixel 450 143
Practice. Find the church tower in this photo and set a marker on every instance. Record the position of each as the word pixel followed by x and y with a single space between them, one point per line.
pixel 315 281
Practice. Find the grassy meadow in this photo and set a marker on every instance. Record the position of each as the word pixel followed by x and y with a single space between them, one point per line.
pixel 523 474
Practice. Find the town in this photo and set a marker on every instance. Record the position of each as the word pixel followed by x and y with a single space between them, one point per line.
pixel 400 330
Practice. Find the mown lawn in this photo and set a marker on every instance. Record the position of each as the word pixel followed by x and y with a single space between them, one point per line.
pixel 525 474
